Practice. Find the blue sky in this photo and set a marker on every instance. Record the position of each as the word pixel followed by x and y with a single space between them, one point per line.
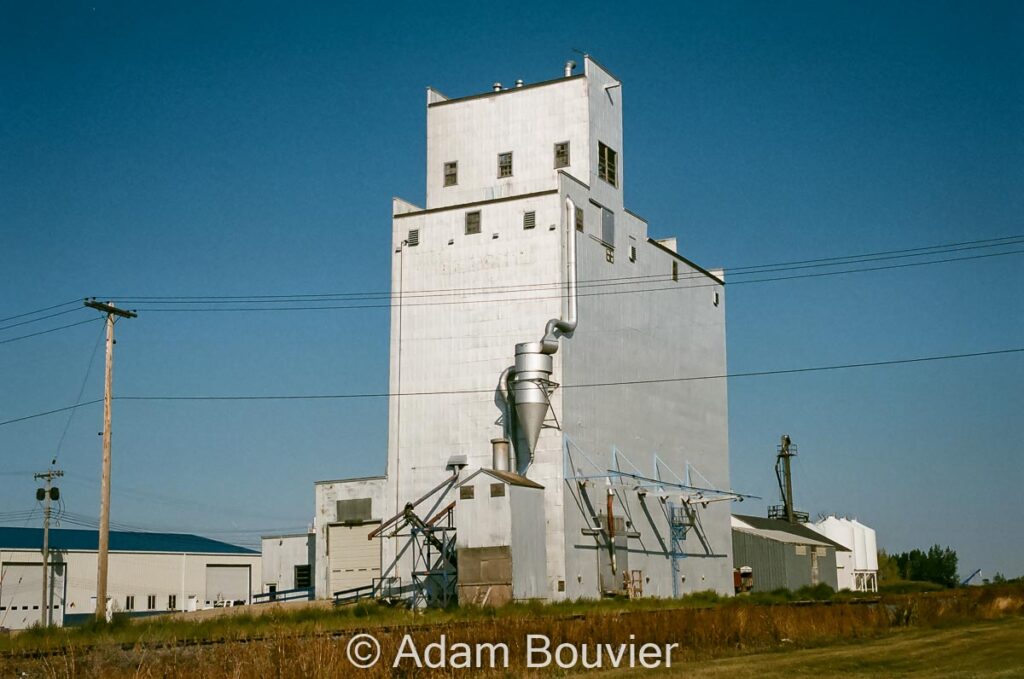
pixel 183 149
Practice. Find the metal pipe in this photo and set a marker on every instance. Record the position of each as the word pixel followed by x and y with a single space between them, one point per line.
pixel 567 325
pixel 569 66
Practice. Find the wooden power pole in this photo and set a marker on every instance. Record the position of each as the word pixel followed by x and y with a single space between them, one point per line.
pixel 46 495
pixel 104 532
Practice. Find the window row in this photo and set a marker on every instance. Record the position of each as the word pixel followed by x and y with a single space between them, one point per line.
pixel 172 602
pixel 606 166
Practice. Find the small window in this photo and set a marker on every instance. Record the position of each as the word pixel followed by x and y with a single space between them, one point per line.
pixel 466 492
pixel 505 164
pixel 451 174
pixel 529 220
pixel 129 602
pixel 717 299
pixel 579 219
pixel 497 490
pixel 675 271
pixel 472 223
pixel 414 238
pixel 172 602
pixel 561 154
pixel 632 253
pixel 607 164
pixel 151 602
pixel 609 255
pixel 801 550
pixel 608 227
pixel 561 585
pixel 303 577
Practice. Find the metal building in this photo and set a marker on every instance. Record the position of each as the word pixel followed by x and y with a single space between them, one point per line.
pixel 857 568
pixel 288 563
pixel 533 308
pixel 783 555
pixel 148 573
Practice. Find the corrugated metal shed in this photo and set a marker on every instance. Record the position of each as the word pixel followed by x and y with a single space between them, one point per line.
pixel 120 541
pixel 783 555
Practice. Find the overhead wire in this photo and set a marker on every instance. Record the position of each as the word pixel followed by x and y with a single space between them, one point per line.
pixel 39 311
pixel 731 271
pixel 45 332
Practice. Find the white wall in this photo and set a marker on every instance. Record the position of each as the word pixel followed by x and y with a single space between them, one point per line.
pixel 327 493
pixel 138 574
pixel 527 122
pixel 281 554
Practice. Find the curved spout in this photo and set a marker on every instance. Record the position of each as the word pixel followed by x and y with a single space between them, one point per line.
pixel 566 325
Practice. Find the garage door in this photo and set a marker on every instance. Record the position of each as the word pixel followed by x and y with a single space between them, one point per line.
pixel 354 560
pixel 21 586
pixel 227 583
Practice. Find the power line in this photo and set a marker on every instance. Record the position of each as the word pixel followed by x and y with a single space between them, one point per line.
pixel 693 378
pixel 732 271
pixel 51 412
pixel 39 311
pixel 637 290
pixel 41 318
pixel 45 332
pixel 81 391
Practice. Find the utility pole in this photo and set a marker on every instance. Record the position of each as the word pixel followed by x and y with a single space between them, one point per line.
pixel 104 531
pixel 46 495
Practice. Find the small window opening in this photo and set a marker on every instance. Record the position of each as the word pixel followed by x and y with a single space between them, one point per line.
pixel 466 492
pixel 497 490
pixel 632 253
pixel 675 271
pixel 172 602
pixel 151 602
pixel 607 164
pixel 561 154
pixel 472 223
pixel 579 219
pixel 451 173
pixel 505 164
pixel 129 602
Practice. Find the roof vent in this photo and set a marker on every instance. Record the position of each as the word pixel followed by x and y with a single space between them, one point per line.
pixel 569 67
pixel 496 87
pixel 519 82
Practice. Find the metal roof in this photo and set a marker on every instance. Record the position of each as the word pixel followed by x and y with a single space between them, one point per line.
pixel 73 539
pixel 784 531
pixel 507 477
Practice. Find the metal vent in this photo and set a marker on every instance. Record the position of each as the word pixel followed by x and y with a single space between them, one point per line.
pixel 414 237
pixel 632 255
pixel 529 220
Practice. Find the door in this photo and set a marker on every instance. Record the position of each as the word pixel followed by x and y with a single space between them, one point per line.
pixel 21 589
pixel 227 584
pixel 354 559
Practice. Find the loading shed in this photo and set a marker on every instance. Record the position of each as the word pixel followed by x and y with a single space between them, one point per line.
pixel 783 555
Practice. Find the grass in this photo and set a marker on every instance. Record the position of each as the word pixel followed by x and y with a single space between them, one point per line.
pixel 992 649
pixel 311 641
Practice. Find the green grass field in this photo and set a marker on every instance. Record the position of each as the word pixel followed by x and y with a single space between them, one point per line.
pixel 987 650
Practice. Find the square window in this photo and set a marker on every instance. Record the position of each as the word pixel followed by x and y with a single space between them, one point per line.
pixel 451 174
pixel 607 162
pixel 505 164
pixel 579 219
pixel 561 154
pixel 529 220
pixel 466 492
pixel 472 223
pixel 497 490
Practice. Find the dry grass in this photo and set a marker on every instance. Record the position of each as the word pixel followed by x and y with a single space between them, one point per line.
pixel 315 647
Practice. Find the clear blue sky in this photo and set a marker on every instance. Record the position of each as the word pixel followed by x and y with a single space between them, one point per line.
pixel 253 148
